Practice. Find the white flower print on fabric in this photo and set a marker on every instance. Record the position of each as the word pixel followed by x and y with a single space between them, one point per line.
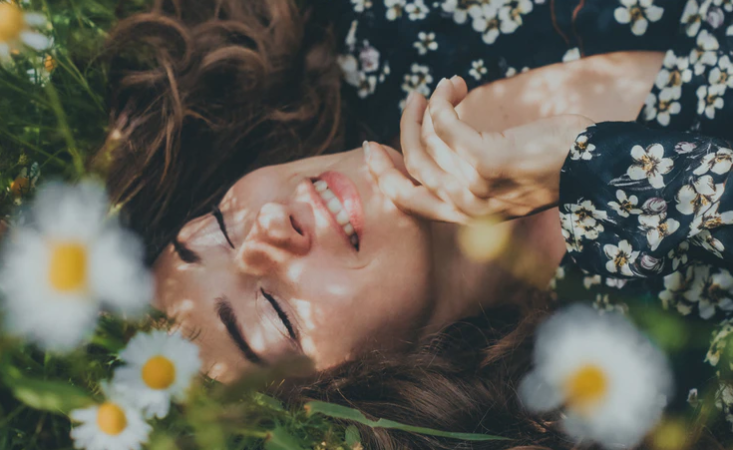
pixel 365 84
pixel 638 13
pixel 511 15
pixel 361 5
pixel 706 240
pixel 674 73
pixel 418 80
pixel 585 219
pixel 603 304
pixel 711 291
pixel 725 4
pixel 722 74
pixel 649 164
pixel 710 98
pixel 715 17
pixel 571 243
pixel 698 196
pixel 571 55
pixel 625 205
pixel 719 162
pixel 710 219
pixel 684 148
pixel 478 69
pixel 693 15
pixel 679 255
pixel 582 149
pixel 511 71
pixel 675 286
pixel 616 283
pixel 417 10
pixel 395 8
pixel 459 9
pixel 486 21
pixel 661 108
pixel 651 264
pixel 425 42
pixel 369 58
pixel 719 343
pixel 657 228
pixel 705 52
pixel 590 281
pixel 620 257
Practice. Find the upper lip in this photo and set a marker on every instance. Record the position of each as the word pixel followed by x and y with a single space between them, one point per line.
pixel 345 190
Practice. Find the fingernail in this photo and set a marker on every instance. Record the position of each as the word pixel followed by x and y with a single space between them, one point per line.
pixel 367 151
pixel 441 82
pixel 455 78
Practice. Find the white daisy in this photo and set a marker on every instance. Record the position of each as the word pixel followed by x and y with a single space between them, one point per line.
pixel 57 274
pixel 638 13
pixel 650 163
pixel 620 257
pixel 159 368
pixel 16 30
pixel 113 425
pixel 610 380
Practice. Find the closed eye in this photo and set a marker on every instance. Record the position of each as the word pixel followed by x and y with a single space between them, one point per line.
pixel 294 335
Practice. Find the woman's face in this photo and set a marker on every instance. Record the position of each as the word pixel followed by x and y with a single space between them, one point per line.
pixel 306 257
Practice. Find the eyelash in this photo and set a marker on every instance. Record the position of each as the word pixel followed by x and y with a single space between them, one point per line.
pixel 282 314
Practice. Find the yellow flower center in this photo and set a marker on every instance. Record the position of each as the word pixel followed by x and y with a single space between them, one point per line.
pixel 49 63
pixel 159 372
pixel 586 387
pixel 111 419
pixel 20 186
pixel 11 22
pixel 68 268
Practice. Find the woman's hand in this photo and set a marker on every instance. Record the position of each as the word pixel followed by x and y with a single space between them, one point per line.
pixel 463 173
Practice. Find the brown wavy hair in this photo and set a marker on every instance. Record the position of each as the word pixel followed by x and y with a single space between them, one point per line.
pixel 203 91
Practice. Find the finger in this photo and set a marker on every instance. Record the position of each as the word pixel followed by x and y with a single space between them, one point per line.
pixel 462 138
pixel 419 164
pixel 460 169
pixel 411 199
pixel 461 88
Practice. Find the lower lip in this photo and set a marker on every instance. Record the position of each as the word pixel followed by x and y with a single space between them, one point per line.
pixel 345 190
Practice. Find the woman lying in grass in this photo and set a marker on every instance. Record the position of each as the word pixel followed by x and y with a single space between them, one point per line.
pixel 263 250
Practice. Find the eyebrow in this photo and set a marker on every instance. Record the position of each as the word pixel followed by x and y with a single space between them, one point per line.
pixel 229 319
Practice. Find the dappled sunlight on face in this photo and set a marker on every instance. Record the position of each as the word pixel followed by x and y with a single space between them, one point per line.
pixel 291 281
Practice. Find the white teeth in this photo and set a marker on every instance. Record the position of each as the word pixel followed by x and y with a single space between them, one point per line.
pixel 334 205
pixel 342 218
pixel 328 195
pixel 320 185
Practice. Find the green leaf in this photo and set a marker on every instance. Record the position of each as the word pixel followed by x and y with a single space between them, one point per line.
pixel 50 395
pixel 268 401
pixel 353 438
pixel 280 439
pixel 344 412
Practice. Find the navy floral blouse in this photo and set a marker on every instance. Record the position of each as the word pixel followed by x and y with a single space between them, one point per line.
pixel 643 205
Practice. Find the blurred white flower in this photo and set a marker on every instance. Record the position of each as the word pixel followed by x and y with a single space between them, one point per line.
pixel 160 367
pixel 57 273
pixel 16 30
pixel 113 425
pixel 611 382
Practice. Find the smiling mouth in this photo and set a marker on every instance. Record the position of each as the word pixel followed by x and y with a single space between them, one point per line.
pixel 337 210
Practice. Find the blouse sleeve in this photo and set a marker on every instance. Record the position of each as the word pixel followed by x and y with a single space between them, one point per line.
pixel 634 196
pixel 631 195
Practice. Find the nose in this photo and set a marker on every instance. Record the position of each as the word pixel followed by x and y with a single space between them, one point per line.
pixel 273 240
